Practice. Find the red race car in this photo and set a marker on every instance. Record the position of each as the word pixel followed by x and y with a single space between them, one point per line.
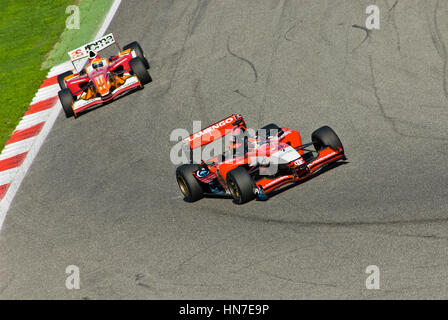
pixel 254 164
pixel 99 80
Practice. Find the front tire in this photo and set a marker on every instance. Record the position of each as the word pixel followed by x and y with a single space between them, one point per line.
pixel 138 51
pixel 326 137
pixel 66 98
pixel 61 79
pixel 138 68
pixel 188 185
pixel 241 185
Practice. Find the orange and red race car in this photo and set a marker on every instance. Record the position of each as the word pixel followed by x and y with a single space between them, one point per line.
pixel 254 165
pixel 99 80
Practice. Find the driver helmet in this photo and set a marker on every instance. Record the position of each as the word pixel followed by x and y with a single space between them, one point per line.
pixel 97 63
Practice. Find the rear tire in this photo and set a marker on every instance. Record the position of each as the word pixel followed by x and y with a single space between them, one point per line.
pixel 61 79
pixel 66 98
pixel 138 68
pixel 138 51
pixel 326 137
pixel 189 186
pixel 240 185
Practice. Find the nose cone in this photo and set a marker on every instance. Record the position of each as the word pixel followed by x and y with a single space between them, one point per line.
pixel 101 83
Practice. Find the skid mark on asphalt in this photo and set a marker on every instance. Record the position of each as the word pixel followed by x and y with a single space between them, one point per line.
pixel 285 36
pixel 258 262
pixel 185 262
pixel 200 12
pixel 391 120
pixel 177 56
pixel 443 48
pixel 242 59
pixel 161 288
pixel 200 102
pixel 439 44
pixel 286 33
pixel 301 282
pixel 323 21
pixel 273 57
pixel 391 17
pixel 335 224
pixel 368 32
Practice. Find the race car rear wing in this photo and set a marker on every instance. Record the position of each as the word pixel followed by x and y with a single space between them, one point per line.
pixel 80 56
pixel 213 133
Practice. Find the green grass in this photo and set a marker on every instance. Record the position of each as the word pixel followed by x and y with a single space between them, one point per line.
pixel 91 17
pixel 33 40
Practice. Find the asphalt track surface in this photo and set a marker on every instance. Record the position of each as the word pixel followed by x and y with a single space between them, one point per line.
pixel 102 195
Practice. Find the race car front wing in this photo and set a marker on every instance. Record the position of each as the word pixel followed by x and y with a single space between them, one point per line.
pixel 81 104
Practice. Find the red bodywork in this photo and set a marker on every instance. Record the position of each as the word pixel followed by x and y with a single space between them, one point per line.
pixel 96 86
pixel 298 169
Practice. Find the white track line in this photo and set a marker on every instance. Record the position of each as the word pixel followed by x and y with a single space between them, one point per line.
pixel 108 19
pixel 57 70
pixel 52 114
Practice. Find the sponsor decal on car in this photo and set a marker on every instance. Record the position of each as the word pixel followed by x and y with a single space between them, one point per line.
pixel 97 45
pixel 210 129
pixel 101 43
pixel 298 162
pixel 203 172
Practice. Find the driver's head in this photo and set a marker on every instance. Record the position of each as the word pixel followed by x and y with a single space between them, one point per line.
pixel 97 63
pixel 95 60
